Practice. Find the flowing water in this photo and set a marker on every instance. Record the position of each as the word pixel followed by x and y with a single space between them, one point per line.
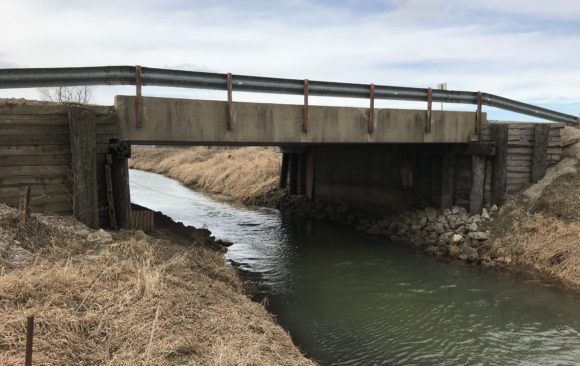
pixel 350 299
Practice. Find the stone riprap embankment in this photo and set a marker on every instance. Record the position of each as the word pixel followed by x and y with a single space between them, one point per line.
pixel 451 232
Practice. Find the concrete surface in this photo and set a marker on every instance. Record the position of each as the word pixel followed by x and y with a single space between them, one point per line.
pixel 203 122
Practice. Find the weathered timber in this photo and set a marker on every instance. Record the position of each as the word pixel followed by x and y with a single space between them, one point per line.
pixel 36 171
pixel 120 152
pixel 448 181
pixel 37 190
pixel 423 185
pixel 143 220
pixel 540 151
pixel 24 210
pixel 109 192
pixel 310 175
pixel 33 160
pixel 284 170
pixel 499 175
pixel 293 173
pixel 84 166
pixel 302 173
pixel 477 184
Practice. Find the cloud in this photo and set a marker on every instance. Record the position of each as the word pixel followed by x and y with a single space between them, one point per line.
pixel 503 47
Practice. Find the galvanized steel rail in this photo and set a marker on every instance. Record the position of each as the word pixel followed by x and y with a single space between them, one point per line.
pixel 131 75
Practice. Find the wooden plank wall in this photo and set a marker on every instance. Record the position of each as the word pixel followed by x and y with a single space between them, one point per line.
pixel 520 152
pixel 35 150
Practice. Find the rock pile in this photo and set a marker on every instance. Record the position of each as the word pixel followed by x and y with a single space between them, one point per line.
pixel 451 232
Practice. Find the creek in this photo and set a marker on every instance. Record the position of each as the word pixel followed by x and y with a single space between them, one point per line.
pixel 351 299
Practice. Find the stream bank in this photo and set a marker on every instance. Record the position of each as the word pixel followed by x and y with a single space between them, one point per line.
pixel 128 298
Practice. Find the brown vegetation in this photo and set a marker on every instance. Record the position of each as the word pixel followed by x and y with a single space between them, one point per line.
pixel 246 174
pixel 127 300
pixel 541 227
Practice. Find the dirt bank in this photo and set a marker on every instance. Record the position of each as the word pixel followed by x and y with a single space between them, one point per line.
pixel 249 175
pixel 127 299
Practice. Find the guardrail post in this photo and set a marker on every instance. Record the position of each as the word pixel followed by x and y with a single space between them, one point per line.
pixel 371 125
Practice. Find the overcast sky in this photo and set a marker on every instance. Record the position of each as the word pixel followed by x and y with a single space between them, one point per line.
pixel 526 50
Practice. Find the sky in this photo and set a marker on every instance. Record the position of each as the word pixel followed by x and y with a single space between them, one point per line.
pixel 525 50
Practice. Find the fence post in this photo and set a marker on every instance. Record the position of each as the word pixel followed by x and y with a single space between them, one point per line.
pixel 29 337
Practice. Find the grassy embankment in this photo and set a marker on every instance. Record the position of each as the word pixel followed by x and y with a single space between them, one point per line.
pixel 129 299
pixel 540 227
pixel 249 175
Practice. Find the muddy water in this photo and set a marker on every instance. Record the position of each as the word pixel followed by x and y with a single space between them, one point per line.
pixel 350 299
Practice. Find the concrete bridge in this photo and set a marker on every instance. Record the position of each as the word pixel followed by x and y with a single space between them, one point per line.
pixel 203 122
pixel 380 160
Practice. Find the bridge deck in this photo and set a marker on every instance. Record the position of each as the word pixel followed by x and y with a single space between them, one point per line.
pixel 203 122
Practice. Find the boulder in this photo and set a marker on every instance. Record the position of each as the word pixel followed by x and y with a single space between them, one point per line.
pixel 456 238
pixel 471 254
pixel 455 210
pixel 439 228
pixel 485 214
pixel 475 218
pixel 374 230
pixel 472 227
pixel 479 235
pixel 446 238
pixel 100 237
pixel 431 214
pixel 493 209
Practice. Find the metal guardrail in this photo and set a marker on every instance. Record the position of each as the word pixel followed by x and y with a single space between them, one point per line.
pixel 136 75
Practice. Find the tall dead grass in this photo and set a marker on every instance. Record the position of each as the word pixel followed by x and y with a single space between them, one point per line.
pixel 246 174
pixel 544 232
pixel 546 243
pixel 136 301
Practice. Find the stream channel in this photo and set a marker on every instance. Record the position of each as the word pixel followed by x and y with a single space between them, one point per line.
pixel 351 299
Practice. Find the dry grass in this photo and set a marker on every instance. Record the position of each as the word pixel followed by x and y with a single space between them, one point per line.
pixel 246 174
pixel 136 301
pixel 543 242
pixel 543 233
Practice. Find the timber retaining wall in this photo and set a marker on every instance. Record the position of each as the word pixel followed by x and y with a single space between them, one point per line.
pixel 35 151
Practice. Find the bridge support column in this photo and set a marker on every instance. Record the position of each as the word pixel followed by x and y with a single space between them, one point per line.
pixel 293 172
pixel 83 146
pixel 499 173
pixel 448 181
pixel 477 184
pixel 423 183
pixel 121 152
pixel 284 170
